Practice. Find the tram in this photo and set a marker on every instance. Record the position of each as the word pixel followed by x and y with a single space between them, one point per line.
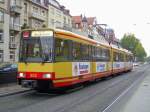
pixel 58 58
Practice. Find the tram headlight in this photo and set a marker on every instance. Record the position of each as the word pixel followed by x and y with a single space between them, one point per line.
pixel 48 76
pixel 21 75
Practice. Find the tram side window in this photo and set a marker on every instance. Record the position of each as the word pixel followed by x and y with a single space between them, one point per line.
pixel 131 58
pixel 101 54
pixel 93 53
pixel 105 54
pixel 121 57
pixel 116 56
pixel 84 52
pixel 126 58
pixel 61 50
pixel 90 53
pixel 98 53
pixel 76 51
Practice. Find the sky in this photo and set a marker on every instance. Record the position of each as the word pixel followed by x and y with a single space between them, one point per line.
pixel 124 16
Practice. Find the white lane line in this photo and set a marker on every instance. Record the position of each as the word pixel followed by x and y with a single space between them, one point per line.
pixel 122 94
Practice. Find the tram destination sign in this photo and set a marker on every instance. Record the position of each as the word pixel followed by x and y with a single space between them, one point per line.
pixel 42 33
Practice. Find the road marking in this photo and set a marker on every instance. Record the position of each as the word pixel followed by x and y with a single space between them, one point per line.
pixel 122 94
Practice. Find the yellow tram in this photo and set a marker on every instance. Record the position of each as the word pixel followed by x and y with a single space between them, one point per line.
pixel 58 58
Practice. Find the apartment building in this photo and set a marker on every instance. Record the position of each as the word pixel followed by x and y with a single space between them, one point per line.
pixel 19 14
pixel 15 23
pixel 58 16
pixel 35 13
pixel 4 31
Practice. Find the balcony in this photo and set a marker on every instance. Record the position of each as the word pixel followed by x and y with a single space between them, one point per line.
pixel 12 45
pixel 37 16
pixel 1 25
pixel 16 9
pixel 15 27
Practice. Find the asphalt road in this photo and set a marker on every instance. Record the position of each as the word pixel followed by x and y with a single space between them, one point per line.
pixel 92 98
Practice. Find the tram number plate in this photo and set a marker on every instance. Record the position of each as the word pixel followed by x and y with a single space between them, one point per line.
pixel 33 75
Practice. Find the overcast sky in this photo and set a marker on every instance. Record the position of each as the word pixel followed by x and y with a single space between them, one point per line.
pixel 122 15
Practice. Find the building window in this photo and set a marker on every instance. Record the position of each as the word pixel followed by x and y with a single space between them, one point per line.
pixel 65 20
pixel 12 39
pixel 77 26
pixel 43 2
pixel 1 36
pixel 15 2
pixel 58 14
pixel 68 21
pixel 1 16
pixel 35 10
pixel 25 8
pixel 52 10
pixel 1 1
pixel 12 55
pixel 43 13
pixel 15 21
pixel 52 22
pixel 1 55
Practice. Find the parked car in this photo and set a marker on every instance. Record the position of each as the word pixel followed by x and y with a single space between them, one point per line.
pixel 9 68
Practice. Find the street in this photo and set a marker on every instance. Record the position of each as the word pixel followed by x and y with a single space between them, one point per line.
pixel 95 97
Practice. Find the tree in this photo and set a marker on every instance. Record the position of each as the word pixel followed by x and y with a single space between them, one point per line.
pixel 140 52
pixel 131 43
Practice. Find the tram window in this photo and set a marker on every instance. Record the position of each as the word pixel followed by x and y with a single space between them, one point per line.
pixel 116 56
pixel 61 50
pixel 105 54
pixel 76 51
pixel 85 52
pixel 97 53
pixel 127 58
pixel 90 52
pixel 93 54
pixel 131 58
pixel 47 48
pixel 121 58
pixel 101 54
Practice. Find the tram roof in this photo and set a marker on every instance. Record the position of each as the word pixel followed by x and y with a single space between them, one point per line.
pixel 82 37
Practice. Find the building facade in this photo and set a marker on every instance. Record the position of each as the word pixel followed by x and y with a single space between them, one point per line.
pixel 15 23
pixel 16 15
pixel 35 13
pixel 89 27
pixel 58 16
pixel 4 30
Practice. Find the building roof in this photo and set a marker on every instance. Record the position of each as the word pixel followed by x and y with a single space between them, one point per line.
pixel 91 20
pixel 84 19
pixel 77 19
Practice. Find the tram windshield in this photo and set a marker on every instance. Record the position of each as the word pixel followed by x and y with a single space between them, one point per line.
pixel 36 47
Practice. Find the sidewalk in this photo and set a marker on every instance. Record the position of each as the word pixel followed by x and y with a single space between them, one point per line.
pixel 140 101
pixel 135 99
pixel 10 89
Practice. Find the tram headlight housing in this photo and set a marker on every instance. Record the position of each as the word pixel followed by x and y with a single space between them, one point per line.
pixel 48 76
pixel 22 75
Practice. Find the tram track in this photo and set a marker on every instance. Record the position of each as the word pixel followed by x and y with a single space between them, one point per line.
pixel 73 100
pixel 65 109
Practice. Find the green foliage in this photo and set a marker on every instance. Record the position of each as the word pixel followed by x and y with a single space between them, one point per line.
pixel 130 42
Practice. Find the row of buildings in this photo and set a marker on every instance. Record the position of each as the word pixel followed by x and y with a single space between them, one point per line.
pixel 18 14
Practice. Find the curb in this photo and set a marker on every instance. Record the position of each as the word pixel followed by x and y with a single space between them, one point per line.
pixel 14 93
